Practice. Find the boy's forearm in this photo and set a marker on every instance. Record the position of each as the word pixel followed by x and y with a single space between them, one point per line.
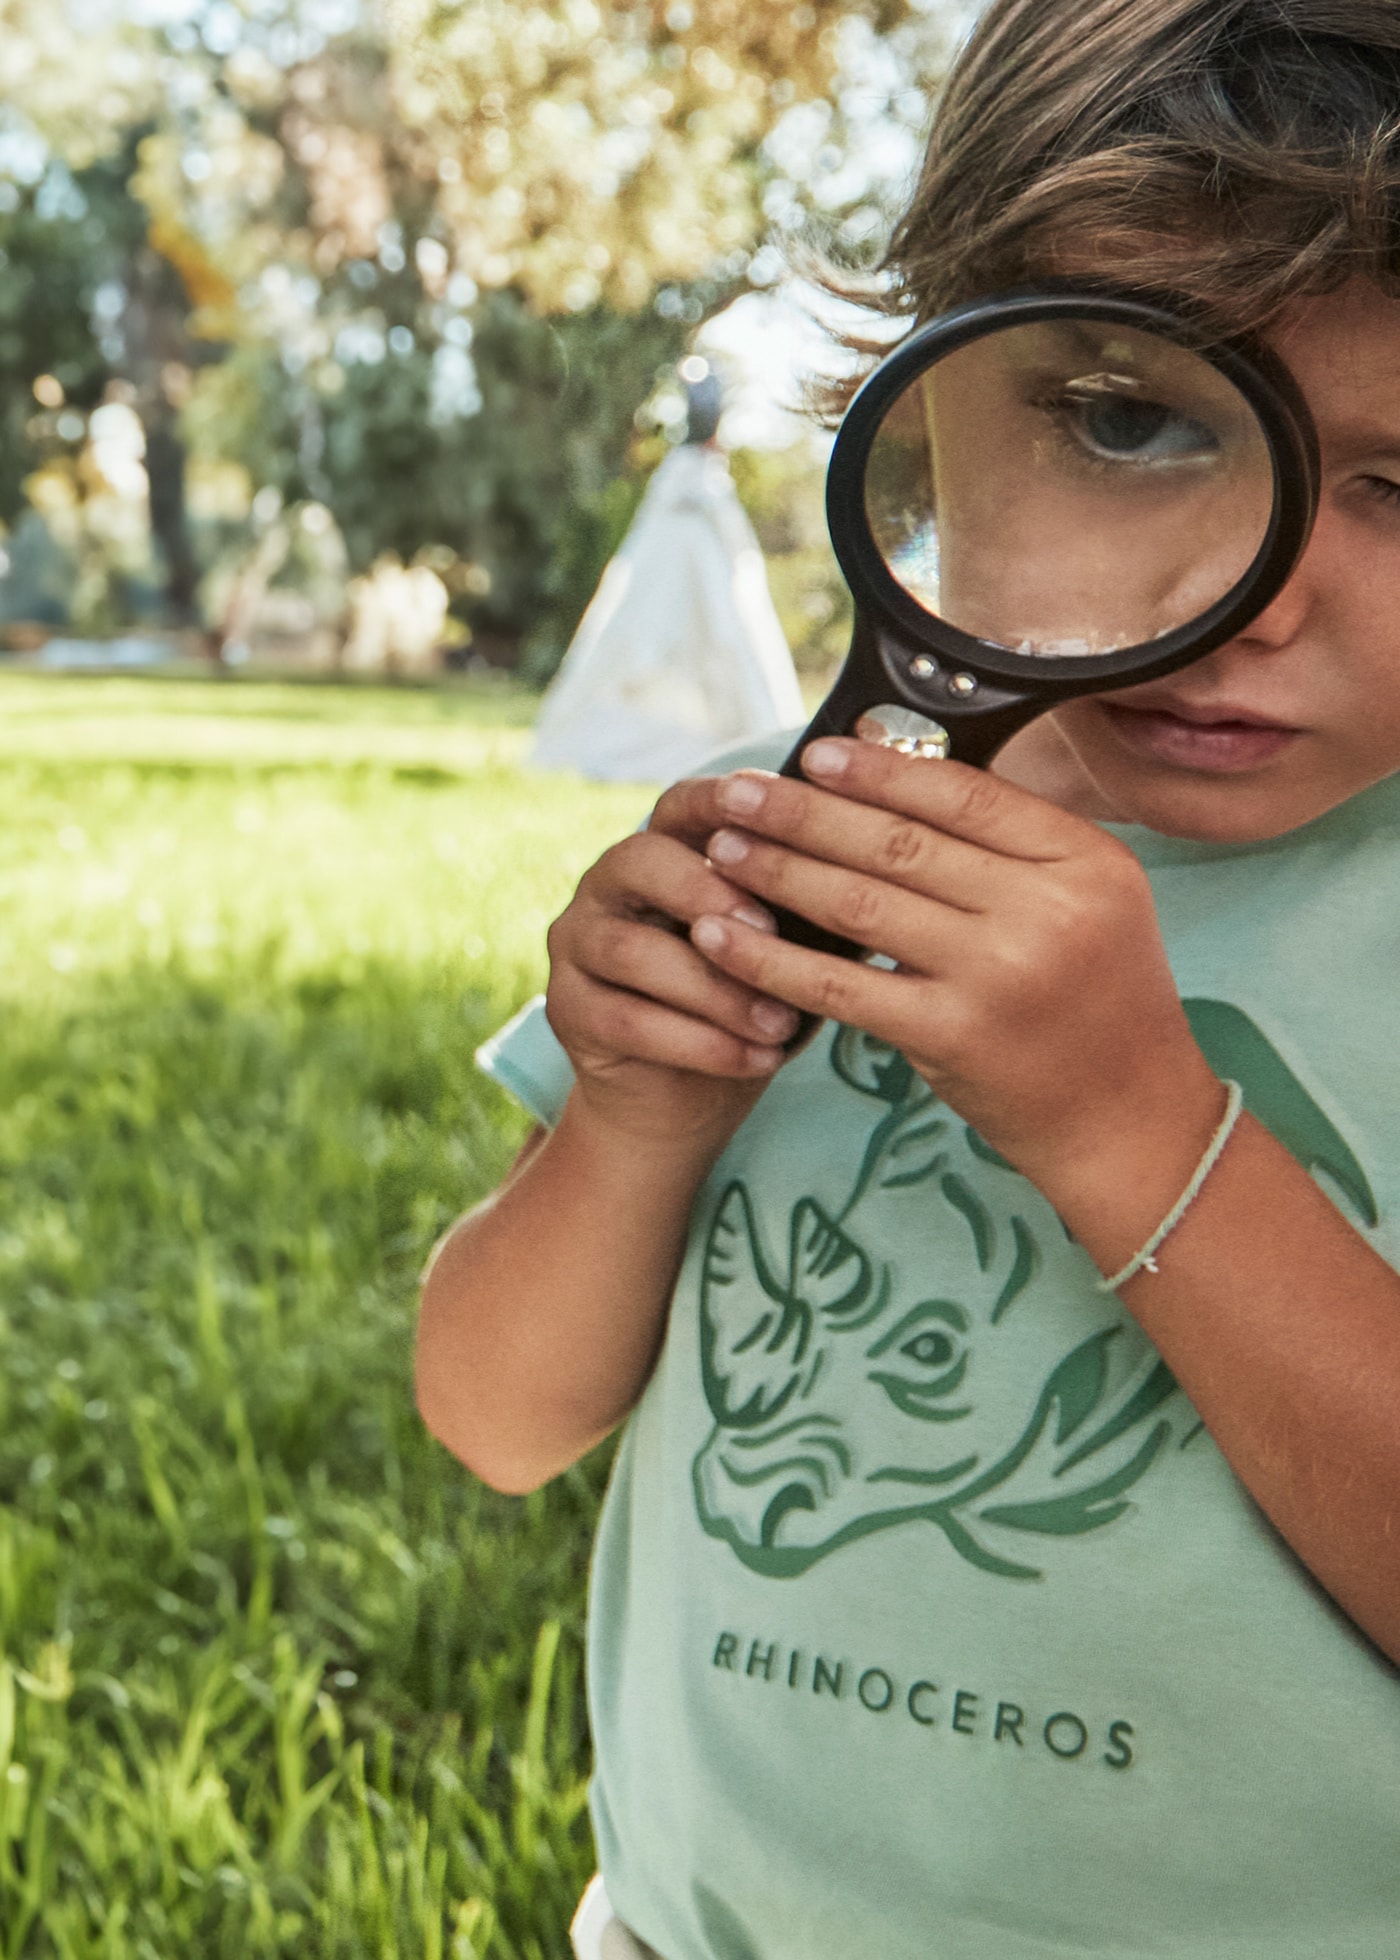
pixel 544 1308
pixel 1283 1327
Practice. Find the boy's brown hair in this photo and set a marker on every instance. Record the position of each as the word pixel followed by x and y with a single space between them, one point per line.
pixel 1235 154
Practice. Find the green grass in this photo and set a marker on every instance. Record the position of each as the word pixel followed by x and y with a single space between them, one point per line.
pixel 276 1676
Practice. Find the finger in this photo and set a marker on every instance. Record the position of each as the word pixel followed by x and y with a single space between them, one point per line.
pixel 634 1028
pixel 969 803
pixel 900 849
pixel 653 963
pixel 689 810
pixel 886 1005
pixel 917 930
pixel 650 873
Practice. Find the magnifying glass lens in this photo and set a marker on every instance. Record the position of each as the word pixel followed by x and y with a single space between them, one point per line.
pixel 1069 487
pixel 1045 494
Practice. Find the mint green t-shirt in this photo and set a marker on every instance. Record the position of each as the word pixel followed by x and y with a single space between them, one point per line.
pixel 927 1621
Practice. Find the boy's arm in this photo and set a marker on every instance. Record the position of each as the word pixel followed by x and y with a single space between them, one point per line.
pixel 1283 1327
pixel 543 1309
pixel 1034 995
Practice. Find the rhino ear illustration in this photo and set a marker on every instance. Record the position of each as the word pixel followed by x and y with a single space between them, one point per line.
pixel 753 1333
pixel 875 1068
pixel 1234 1047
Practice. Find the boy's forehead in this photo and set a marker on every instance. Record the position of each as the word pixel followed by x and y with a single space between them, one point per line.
pixel 1344 350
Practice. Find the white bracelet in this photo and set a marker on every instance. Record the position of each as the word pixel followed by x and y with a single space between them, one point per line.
pixel 1146 1259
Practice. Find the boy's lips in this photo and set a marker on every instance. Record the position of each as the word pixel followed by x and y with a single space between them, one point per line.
pixel 1219 737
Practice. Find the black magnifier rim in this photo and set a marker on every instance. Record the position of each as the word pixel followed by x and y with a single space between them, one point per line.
pixel 1261 379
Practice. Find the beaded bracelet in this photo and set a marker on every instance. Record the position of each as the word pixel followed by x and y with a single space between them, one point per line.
pixel 1145 1261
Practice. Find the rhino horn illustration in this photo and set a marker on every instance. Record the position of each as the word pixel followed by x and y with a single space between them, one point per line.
pixel 753 1333
pixel 828 1269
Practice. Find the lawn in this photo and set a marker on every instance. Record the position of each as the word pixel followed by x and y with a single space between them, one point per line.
pixel 276 1676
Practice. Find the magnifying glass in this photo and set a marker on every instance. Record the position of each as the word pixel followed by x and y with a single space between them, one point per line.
pixel 1048 494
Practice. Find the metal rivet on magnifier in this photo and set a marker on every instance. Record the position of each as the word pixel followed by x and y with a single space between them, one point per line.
pixel 922 668
pixel 963 684
pixel 902 730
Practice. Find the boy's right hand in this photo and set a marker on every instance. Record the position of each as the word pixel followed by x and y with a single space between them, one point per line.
pixel 665 1048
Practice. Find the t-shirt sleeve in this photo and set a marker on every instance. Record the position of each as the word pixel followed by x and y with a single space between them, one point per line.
pixel 760 752
pixel 525 1058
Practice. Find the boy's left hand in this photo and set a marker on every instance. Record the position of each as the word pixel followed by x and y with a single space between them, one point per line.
pixel 1033 991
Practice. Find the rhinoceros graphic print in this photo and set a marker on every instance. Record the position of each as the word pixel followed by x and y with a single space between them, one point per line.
pixel 851 1396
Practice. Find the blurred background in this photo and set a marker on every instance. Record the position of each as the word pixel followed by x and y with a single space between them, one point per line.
pixel 337 345
pixel 315 312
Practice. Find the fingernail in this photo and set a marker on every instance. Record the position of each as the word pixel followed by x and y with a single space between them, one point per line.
pixel 755 916
pixel 773 1019
pixel 728 847
pixel 825 759
pixel 742 795
pixel 709 935
pixel 764 1060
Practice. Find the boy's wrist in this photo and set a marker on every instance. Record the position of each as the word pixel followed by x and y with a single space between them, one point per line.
pixel 652 1154
pixel 1114 1182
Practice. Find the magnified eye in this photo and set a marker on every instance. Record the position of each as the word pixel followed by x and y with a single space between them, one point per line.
pixel 1121 428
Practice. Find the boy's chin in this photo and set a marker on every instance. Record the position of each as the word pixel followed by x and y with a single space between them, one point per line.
pixel 1203 806
pixel 1170 818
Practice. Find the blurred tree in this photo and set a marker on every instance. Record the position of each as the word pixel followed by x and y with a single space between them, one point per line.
pixel 74 254
pixel 783 491
pixel 51 100
pixel 421 265
pixel 61 239
pixel 591 150
pixel 87 308
pixel 470 241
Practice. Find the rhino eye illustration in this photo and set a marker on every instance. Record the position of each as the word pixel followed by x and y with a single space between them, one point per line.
pixel 930 1350
pixel 924 1361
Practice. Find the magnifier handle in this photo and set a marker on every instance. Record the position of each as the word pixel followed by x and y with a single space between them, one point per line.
pixel 853 692
pixel 975 729
pixel 837 715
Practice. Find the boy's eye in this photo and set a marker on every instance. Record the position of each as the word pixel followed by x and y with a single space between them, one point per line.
pixel 1129 429
pixel 1383 490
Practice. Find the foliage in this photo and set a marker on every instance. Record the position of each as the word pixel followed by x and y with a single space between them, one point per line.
pixel 439 251
pixel 276 1677
pixel 60 240
pixel 782 490
pixel 603 147
pixel 453 235
pixel 83 107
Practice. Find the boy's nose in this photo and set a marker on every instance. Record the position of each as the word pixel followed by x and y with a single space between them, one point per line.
pixel 1286 613
pixel 1280 620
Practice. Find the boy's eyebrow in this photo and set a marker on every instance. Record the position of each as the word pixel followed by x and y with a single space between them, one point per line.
pixel 1369 439
pixel 1358 412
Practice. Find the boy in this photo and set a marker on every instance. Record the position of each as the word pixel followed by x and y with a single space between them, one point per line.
pixel 946 1605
